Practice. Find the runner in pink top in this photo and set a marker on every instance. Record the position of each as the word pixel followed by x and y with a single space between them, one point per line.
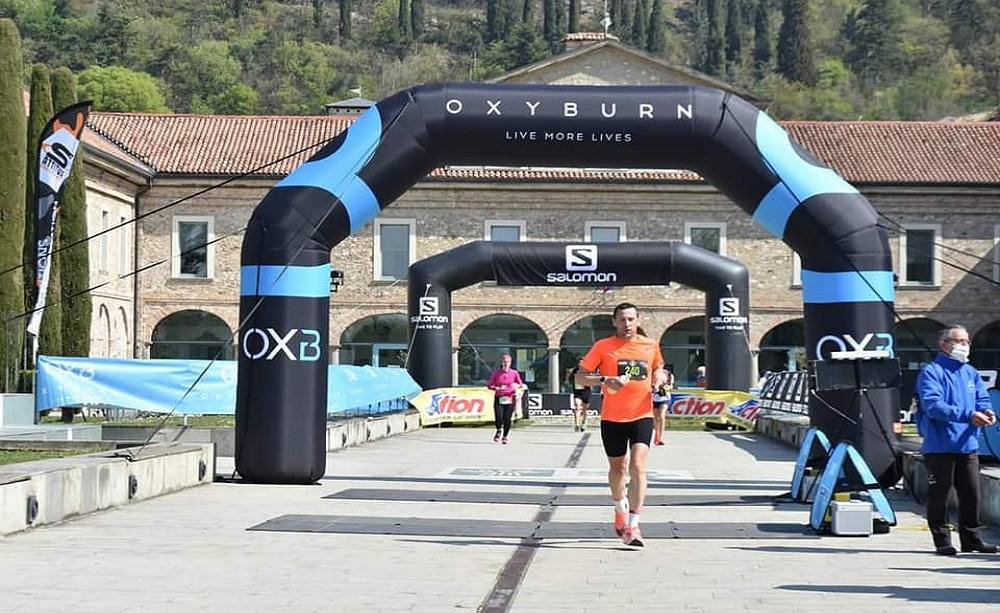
pixel 506 383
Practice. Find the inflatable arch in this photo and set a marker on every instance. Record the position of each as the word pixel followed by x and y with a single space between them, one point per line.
pixel 726 284
pixel 847 279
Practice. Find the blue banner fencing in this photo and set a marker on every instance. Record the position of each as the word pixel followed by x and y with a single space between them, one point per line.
pixel 200 387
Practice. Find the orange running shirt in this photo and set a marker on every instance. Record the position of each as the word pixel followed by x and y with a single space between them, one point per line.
pixel 612 357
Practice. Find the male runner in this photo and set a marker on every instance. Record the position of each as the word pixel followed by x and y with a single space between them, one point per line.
pixel 628 367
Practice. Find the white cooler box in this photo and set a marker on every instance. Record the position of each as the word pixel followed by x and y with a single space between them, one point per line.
pixel 851 518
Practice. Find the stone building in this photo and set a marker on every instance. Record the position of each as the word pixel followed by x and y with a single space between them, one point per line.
pixel 191 182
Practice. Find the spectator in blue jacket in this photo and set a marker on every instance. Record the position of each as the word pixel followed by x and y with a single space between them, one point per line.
pixel 954 405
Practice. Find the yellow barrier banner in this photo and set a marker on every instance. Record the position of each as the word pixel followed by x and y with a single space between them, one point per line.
pixel 455 404
pixel 722 406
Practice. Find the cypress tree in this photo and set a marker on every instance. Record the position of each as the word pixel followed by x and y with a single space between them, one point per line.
pixel 75 257
pixel 965 20
pixel 417 17
pixel 795 54
pixel 318 14
pixel 734 32
pixel 656 42
pixel 344 25
pixel 874 41
pixel 549 25
pixel 762 51
pixel 640 22
pixel 13 144
pixel 618 10
pixel 574 16
pixel 561 18
pixel 405 32
pixel 50 334
pixel 713 50
pixel 493 28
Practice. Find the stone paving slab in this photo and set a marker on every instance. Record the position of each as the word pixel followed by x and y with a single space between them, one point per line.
pixel 567 500
pixel 194 551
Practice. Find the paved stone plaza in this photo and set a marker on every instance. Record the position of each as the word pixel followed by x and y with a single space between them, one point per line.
pixel 443 519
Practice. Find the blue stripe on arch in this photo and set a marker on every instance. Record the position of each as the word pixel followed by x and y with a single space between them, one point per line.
pixel 799 179
pixel 852 286
pixel 337 172
pixel 287 281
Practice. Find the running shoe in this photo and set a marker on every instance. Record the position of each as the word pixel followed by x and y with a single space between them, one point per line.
pixel 504 440
pixel 659 441
pixel 496 437
pixel 621 523
pixel 633 537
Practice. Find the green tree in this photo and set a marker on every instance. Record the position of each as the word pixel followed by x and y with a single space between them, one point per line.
pixel 734 32
pixel 550 28
pixel 562 18
pixel 574 16
pixel 873 36
pixel 383 32
pixel 494 27
pixel 203 78
pixel 656 40
pixel 965 17
pixel 527 11
pixel 640 24
pixel 50 333
pixel 318 6
pixel 711 29
pixel 404 21
pixel 13 144
pixel 762 52
pixel 299 78
pixel 932 91
pixel 417 17
pixel 74 255
pixel 522 47
pixel 115 88
pixel 795 54
pixel 620 19
pixel 344 20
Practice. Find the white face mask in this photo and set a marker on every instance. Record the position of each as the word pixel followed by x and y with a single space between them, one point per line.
pixel 960 353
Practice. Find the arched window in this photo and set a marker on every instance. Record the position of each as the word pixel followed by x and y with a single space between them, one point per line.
pixel 916 341
pixel 986 348
pixel 683 348
pixel 192 335
pixel 783 348
pixel 379 340
pixel 578 339
pixel 486 339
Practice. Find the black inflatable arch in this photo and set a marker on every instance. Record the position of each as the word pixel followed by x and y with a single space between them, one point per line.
pixel 726 284
pixel 285 274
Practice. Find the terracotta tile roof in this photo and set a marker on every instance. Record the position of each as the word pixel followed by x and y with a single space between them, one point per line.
pixel 862 152
pixel 219 144
pixel 96 143
pixel 905 151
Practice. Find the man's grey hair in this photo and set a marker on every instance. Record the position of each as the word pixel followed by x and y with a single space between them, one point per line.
pixel 946 333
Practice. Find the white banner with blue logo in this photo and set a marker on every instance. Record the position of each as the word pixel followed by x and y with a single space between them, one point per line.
pixel 200 387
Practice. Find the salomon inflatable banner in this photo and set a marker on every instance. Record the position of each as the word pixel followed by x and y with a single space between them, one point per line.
pixel 726 284
pixel 284 304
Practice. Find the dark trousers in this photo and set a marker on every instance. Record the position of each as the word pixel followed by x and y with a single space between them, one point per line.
pixel 961 471
pixel 503 414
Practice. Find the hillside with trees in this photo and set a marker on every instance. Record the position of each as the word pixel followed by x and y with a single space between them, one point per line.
pixel 829 59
